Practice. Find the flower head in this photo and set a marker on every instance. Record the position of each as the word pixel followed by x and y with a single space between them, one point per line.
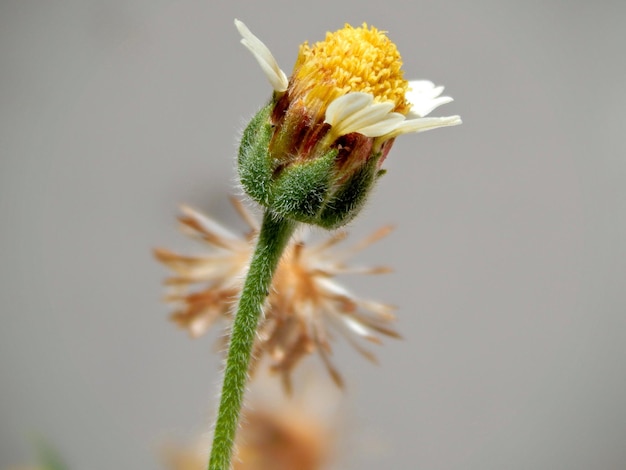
pixel 316 149
pixel 305 303
pixel 275 434
pixel 267 440
pixel 349 60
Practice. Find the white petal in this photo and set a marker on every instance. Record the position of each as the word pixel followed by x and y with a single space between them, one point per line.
pixel 425 124
pixel 424 98
pixel 264 57
pixel 424 108
pixel 382 127
pixel 421 86
pixel 365 117
pixel 357 112
pixel 346 105
pixel 424 88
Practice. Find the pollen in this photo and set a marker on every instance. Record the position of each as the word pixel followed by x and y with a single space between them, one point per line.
pixel 352 59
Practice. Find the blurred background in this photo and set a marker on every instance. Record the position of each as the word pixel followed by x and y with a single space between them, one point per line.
pixel 509 252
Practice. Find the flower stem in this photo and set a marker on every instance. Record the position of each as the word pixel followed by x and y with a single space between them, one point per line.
pixel 273 238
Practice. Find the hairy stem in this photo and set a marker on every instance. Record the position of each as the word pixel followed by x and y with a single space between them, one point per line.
pixel 273 238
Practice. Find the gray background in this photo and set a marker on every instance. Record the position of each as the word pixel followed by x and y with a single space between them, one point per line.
pixel 509 252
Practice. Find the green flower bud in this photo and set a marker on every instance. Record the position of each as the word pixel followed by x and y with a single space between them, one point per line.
pixel 327 188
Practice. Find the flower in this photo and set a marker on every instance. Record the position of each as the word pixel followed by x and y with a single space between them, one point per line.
pixel 266 441
pixel 305 299
pixel 274 434
pixel 313 153
pixel 353 61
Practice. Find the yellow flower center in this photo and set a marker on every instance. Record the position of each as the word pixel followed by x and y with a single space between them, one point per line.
pixel 351 59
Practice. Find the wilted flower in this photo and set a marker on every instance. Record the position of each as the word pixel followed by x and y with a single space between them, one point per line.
pixel 313 153
pixel 275 434
pixel 266 441
pixel 304 301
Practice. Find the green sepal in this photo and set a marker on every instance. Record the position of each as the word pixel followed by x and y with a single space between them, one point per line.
pixel 254 163
pixel 348 199
pixel 304 191
pixel 301 190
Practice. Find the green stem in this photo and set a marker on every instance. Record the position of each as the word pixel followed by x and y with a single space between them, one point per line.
pixel 273 238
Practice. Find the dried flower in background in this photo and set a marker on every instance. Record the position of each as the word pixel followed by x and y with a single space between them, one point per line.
pixel 275 434
pixel 281 441
pixel 266 441
pixel 305 298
